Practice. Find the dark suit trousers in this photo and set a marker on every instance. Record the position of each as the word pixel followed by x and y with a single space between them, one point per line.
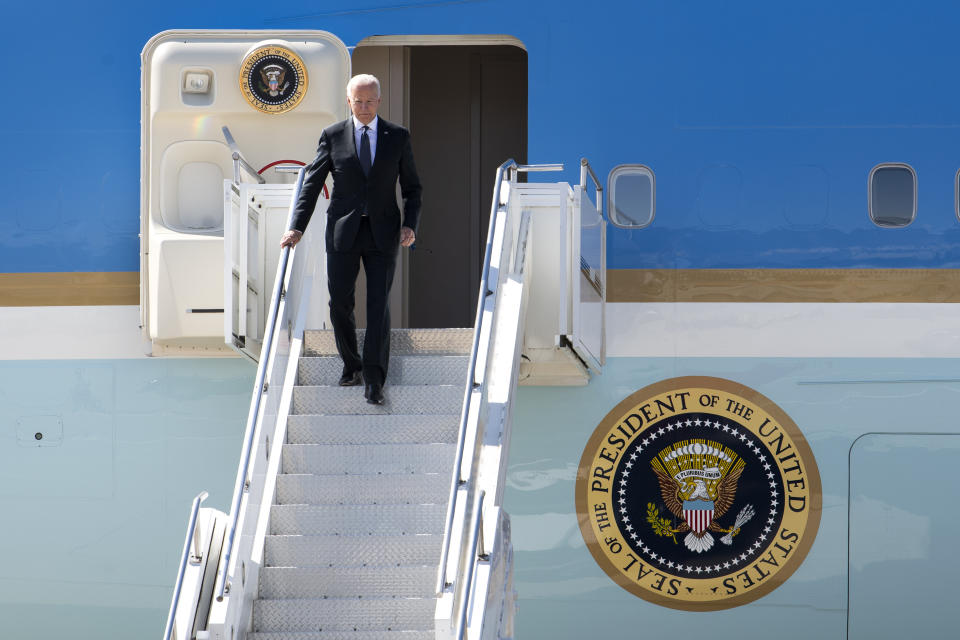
pixel 342 270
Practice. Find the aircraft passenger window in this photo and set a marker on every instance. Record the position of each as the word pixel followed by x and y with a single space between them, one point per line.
pixel 631 196
pixel 892 196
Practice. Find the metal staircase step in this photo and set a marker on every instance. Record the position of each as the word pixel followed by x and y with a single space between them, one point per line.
pixel 344 614
pixel 399 399
pixel 381 488
pixel 346 582
pixel 342 635
pixel 404 369
pixel 356 520
pixel 417 341
pixel 325 551
pixel 373 429
pixel 367 458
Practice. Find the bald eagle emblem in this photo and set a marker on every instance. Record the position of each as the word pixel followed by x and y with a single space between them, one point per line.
pixel 273 79
pixel 272 76
pixel 698 482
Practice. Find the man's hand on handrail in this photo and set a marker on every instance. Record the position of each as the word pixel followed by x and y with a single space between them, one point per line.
pixel 290 238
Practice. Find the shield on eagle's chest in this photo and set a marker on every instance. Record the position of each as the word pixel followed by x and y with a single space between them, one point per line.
pixel 698 514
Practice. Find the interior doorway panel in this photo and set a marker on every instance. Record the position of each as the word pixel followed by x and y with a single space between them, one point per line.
pixel 466 108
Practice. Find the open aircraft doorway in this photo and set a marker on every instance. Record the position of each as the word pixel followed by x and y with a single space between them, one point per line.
pixel 464 99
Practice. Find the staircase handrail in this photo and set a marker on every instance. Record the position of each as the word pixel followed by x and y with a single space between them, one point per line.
pixel 238 159
pixel 259 388
pixel 585 170
pixel 457 479
pixel 475 546
pixel 184 559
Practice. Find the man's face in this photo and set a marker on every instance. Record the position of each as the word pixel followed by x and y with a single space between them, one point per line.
pixel 364 103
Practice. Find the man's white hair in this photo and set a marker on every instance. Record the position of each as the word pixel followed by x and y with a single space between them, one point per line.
pixel 362 80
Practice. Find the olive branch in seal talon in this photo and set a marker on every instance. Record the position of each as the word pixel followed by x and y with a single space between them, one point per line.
pixel 661 526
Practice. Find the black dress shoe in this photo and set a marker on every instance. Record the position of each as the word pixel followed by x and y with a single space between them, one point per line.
pixel 373 392
pixel 350 379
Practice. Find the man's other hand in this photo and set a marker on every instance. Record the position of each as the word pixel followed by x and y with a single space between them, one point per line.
pixel 407 236
pixel 290 238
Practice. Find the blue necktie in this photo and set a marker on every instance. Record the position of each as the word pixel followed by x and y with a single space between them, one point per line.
pixel 364 153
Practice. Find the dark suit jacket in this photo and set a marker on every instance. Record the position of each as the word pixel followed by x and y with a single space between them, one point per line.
pixel 354 194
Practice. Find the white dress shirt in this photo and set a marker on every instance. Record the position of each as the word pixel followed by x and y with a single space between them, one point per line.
pixel 371 135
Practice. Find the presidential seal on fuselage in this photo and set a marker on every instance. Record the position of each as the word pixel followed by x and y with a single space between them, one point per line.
pixel 273 79
pixel 698 493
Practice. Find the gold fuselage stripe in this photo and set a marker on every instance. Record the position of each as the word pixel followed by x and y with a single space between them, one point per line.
pixel 69 289
pixel 783 285
pixel 623 285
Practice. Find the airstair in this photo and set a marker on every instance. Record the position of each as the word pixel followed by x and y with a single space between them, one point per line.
pixel 358 521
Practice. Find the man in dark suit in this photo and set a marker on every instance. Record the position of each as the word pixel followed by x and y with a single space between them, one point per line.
pixel 366 156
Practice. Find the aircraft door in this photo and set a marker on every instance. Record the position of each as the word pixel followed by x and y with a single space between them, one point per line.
pixel 273 91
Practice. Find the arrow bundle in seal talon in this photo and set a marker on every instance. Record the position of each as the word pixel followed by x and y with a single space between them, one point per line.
pixel 742 518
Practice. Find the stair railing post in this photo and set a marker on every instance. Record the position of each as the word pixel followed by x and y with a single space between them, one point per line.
pixel 192 529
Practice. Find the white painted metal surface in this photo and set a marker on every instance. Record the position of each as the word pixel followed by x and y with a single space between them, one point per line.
pixel 202 546
pixel 588 282
pixel 184 161
pixel 635 329
pixel 784 330
pixel 549 313
pixel 464 586
pixel 255 217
